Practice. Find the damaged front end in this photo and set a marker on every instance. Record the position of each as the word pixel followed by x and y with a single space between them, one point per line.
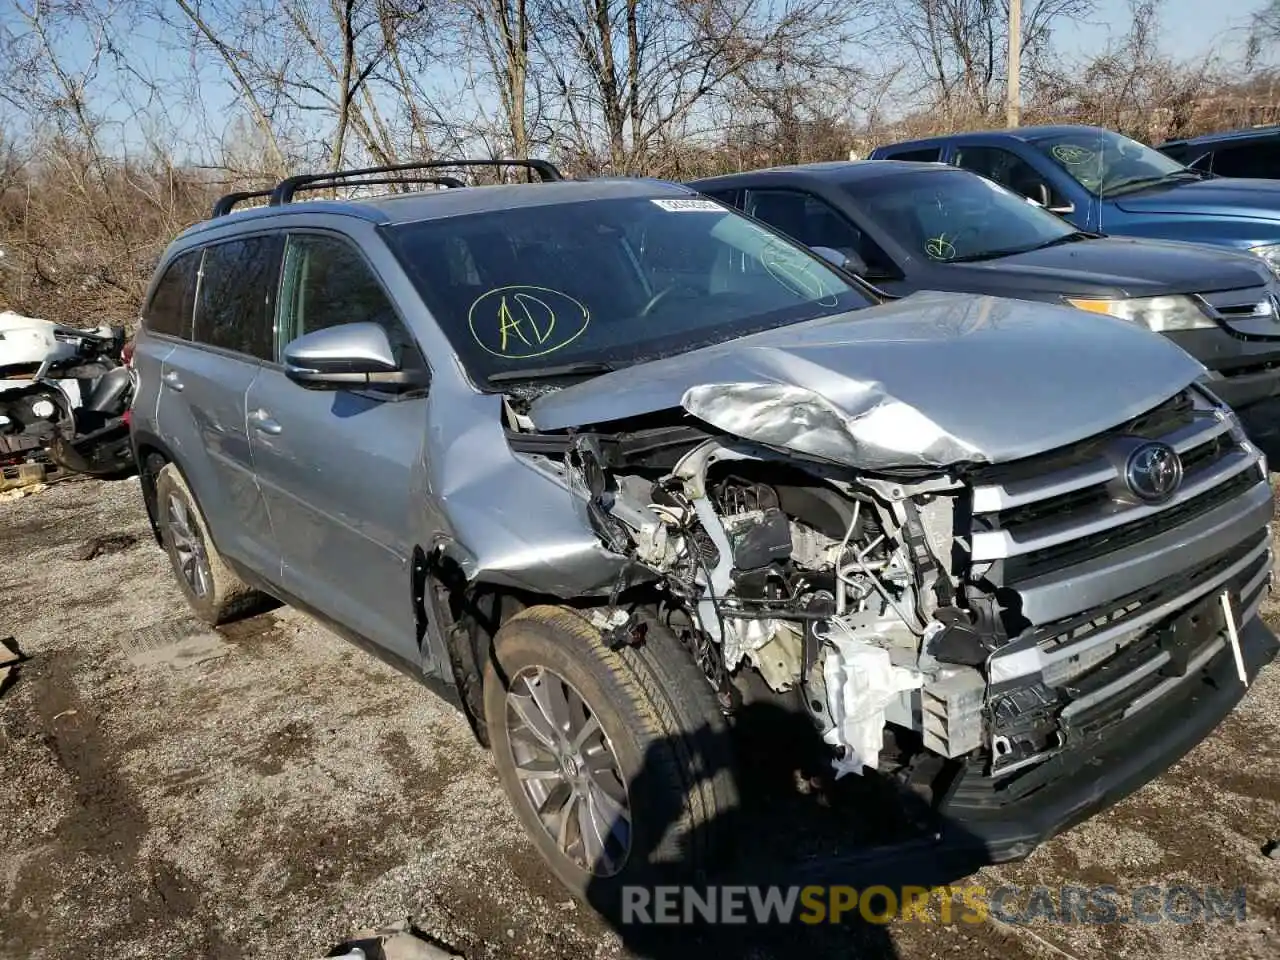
pixel 918 600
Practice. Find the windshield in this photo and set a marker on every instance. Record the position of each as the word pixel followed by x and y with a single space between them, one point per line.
pixel 1106 163
pixel 954 216
pixel 609 282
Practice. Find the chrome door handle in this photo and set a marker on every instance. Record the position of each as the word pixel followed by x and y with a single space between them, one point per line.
pixel 263 423
pixel 171 379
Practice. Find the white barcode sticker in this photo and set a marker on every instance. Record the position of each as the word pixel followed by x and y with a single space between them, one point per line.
pixel 689 206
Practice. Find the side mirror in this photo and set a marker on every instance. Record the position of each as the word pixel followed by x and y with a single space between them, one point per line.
pixel 845 260
pixel 348 355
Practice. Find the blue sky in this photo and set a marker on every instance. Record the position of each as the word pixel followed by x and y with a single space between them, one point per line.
pixel 1190 28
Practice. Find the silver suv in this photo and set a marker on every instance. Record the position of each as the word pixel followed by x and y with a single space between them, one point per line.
pixel 611 460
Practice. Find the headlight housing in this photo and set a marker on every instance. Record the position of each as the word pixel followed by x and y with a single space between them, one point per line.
pixel 1270 254
pixel 1161 314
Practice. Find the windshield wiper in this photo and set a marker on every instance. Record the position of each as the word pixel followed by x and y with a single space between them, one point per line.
pixel 1140 183
pixel 1075 236
pixel 576 369
pixel 1072 237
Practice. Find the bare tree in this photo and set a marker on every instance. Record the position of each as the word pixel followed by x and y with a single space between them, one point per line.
pixel 631 73
pixel 956 49
pixel 500 33
pixel 1131 86
pixel 244 86
pixel 1264 32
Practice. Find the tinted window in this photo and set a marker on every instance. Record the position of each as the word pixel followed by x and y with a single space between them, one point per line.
pixel 1008 169
pixel 610 280
pixel 954 216
pixel 237 296
pixel 169 311
pixel 327 283
pixel 816 223
pixel 1252 160
pixel 728 197
pixel 927 155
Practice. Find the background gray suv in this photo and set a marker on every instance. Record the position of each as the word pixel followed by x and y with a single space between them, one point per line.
pixel 623 468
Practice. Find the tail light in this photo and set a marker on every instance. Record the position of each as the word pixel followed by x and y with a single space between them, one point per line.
pixel 127 417
pixel 126 354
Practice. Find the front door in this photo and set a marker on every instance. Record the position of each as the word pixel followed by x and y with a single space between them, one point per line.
pixel 335 467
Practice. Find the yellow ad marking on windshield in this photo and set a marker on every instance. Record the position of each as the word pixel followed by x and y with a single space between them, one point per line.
pixel 522 321
pixel 1072 154
pixel 940 248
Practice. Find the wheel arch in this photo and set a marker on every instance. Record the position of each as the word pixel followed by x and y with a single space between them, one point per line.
pixel 151 454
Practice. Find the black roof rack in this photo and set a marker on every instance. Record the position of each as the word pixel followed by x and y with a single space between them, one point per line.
pixel 285 189
pixel 283 192
pixel 225 204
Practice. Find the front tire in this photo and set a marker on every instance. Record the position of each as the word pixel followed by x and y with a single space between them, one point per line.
pixel 214 592
pixel 618 762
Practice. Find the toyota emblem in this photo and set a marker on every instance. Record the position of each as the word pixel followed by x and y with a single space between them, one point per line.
pixel 1154 472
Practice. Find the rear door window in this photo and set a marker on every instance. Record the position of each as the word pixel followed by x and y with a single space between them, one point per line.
pixel 1009 170
pixel 730 198
pixel 169 311
pixel 236 301
pixel 926 155
pixel 815 223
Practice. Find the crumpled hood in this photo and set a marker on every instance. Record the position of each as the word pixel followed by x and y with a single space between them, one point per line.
pixel 930 380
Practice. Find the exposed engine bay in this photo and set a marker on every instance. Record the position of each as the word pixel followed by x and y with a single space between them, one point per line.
pixel 978 619
pixel 838 592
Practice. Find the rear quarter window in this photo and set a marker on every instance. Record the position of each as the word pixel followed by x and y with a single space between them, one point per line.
pixel 169 310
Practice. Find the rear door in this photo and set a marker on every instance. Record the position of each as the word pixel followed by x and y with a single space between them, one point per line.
pixel 336 467
pixel 203 382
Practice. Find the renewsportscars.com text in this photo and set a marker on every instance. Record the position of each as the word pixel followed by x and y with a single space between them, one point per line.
pixel 952 904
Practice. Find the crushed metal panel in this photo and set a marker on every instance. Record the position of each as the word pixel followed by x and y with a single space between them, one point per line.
pixel 883 432
pixel 505 518
pixel 931 379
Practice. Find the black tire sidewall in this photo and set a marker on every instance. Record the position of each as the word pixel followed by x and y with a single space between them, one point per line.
pixel 656 797
pixel 206 607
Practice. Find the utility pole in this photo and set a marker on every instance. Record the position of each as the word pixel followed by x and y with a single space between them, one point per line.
pixel 1013 66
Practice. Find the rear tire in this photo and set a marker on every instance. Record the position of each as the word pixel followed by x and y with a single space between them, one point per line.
pixel 657 772
pixel 215 593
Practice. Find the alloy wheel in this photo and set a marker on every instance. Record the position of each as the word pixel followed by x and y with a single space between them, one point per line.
pixel 188 545
pixel 568 770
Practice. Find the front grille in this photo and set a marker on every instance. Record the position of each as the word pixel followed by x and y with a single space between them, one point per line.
pixel 1057 510
pixel 1112 603
pixel 1251 312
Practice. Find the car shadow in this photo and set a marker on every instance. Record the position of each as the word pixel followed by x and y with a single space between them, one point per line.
pixel 795 826
pixel 1262 424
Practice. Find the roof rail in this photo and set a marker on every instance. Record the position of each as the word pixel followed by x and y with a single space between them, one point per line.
pixel 227 203
pixel 285 189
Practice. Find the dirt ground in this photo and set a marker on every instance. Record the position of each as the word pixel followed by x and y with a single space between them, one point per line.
pixel 266 790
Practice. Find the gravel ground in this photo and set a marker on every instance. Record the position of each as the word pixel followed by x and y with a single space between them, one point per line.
pixel 267 790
